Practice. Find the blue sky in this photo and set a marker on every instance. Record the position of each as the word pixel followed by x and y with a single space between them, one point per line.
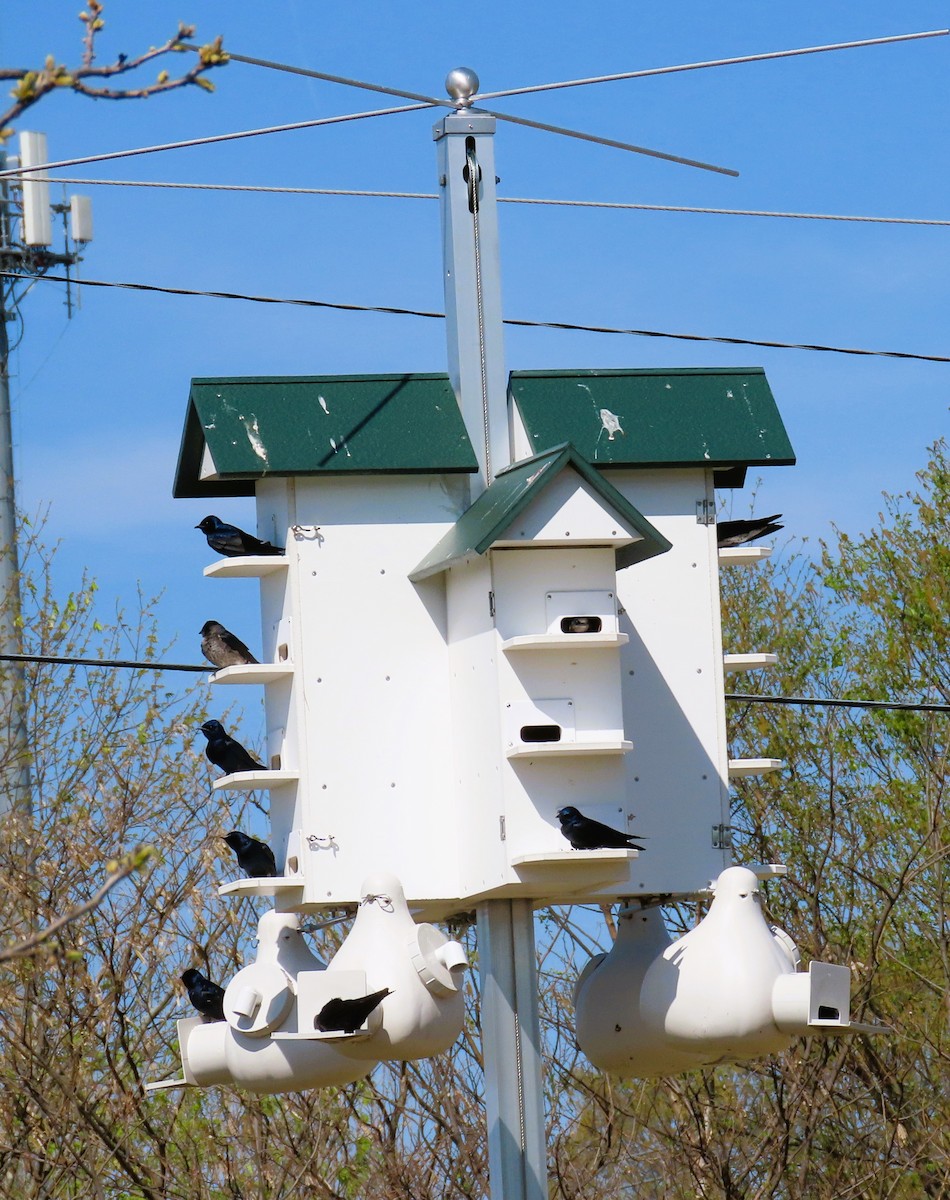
pixel 99 400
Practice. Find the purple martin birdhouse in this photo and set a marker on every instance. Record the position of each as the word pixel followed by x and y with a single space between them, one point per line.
pixel 452 655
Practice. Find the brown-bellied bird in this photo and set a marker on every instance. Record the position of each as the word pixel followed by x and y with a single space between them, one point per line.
pixel 348 1015
pixel 737 533
pixel 256 859
pixel 225 752
pixel 584 833
pixel 231 541
pixel 221 648
pixel 205 996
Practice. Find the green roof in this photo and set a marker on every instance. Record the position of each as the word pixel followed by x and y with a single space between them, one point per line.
pixel 709 417
pixel 318 425
pixel 513 489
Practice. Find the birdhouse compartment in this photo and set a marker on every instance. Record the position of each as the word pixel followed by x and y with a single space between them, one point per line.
pixel 580 613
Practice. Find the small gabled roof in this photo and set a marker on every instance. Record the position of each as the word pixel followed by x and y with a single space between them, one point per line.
pixel 518 486
pixel 239 430
pixel 722 418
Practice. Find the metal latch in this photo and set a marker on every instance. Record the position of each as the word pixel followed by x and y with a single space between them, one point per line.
pixel 722 837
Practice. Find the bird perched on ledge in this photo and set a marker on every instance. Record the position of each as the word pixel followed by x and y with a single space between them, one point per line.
pixel 233 542
pixel 586 834
pixel 255 858
pixel 205 996
pixel 225 752
pixel 737 533
pixel 221 648
pixel 348 1015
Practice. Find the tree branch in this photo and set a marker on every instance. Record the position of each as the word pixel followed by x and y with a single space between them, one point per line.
pixel 23 949
pixel 32 84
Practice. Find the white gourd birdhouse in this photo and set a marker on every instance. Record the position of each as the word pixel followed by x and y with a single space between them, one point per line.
pixel 727 990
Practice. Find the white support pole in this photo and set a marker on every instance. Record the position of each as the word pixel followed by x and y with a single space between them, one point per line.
pixel 472 278
pixel 511 1047
pixel 511 1040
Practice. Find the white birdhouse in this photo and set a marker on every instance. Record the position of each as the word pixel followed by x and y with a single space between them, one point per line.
pixel 276 1037
pixel 444 670
pixel 727 990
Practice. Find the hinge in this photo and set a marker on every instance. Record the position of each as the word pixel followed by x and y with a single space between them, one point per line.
pixel 705 512
pixel 491 604
pixel 722 837
pixel 501 828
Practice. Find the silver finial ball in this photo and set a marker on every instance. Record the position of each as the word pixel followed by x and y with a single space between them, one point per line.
pixel 461 83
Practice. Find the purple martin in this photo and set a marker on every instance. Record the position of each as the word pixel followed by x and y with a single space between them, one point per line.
pixel 225 752
pixel 586 834
pixel 205 996
pixel 348 1015
pixel 221 648
pixel 231 541
pixel 737 533
pixel 256 859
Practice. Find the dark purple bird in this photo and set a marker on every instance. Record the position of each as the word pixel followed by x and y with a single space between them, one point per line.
pixel 225 752
pixel 206 997
pixel 348 1015
pixel 256 859
pixel 737 533
pixel 231 541
pixel 586 834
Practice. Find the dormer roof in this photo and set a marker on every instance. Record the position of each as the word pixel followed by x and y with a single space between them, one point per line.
pixel 551 499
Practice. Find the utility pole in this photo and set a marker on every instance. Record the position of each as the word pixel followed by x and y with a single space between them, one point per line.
pixel 511 1039
pixel 25 256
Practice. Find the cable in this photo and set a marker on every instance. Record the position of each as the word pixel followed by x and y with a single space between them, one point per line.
pixel 525 324
pixel 609 204
pixel 206 141
pixel 253 187
pixel 716 62
pixel 63 660
pixel 431 101
pixel 726 212
pixel 731 341
pixel 905 706
pixel 435 102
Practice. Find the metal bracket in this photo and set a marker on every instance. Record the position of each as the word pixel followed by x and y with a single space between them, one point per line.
pixel 722 837
pixel 705 512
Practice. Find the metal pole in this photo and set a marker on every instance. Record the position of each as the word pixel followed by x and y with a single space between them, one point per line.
pixel 511 1040
pixel 472 279
pixel 511 1049
pixel 15 784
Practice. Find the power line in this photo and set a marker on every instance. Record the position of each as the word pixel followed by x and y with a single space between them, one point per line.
pixel 745 698
pixel 65 660
pixel 905 706
pixel 608 204
pixel 521 323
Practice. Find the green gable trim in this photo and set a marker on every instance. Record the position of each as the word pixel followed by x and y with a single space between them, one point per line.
pixel 319 425
pixel 712 417
pixel 513 489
